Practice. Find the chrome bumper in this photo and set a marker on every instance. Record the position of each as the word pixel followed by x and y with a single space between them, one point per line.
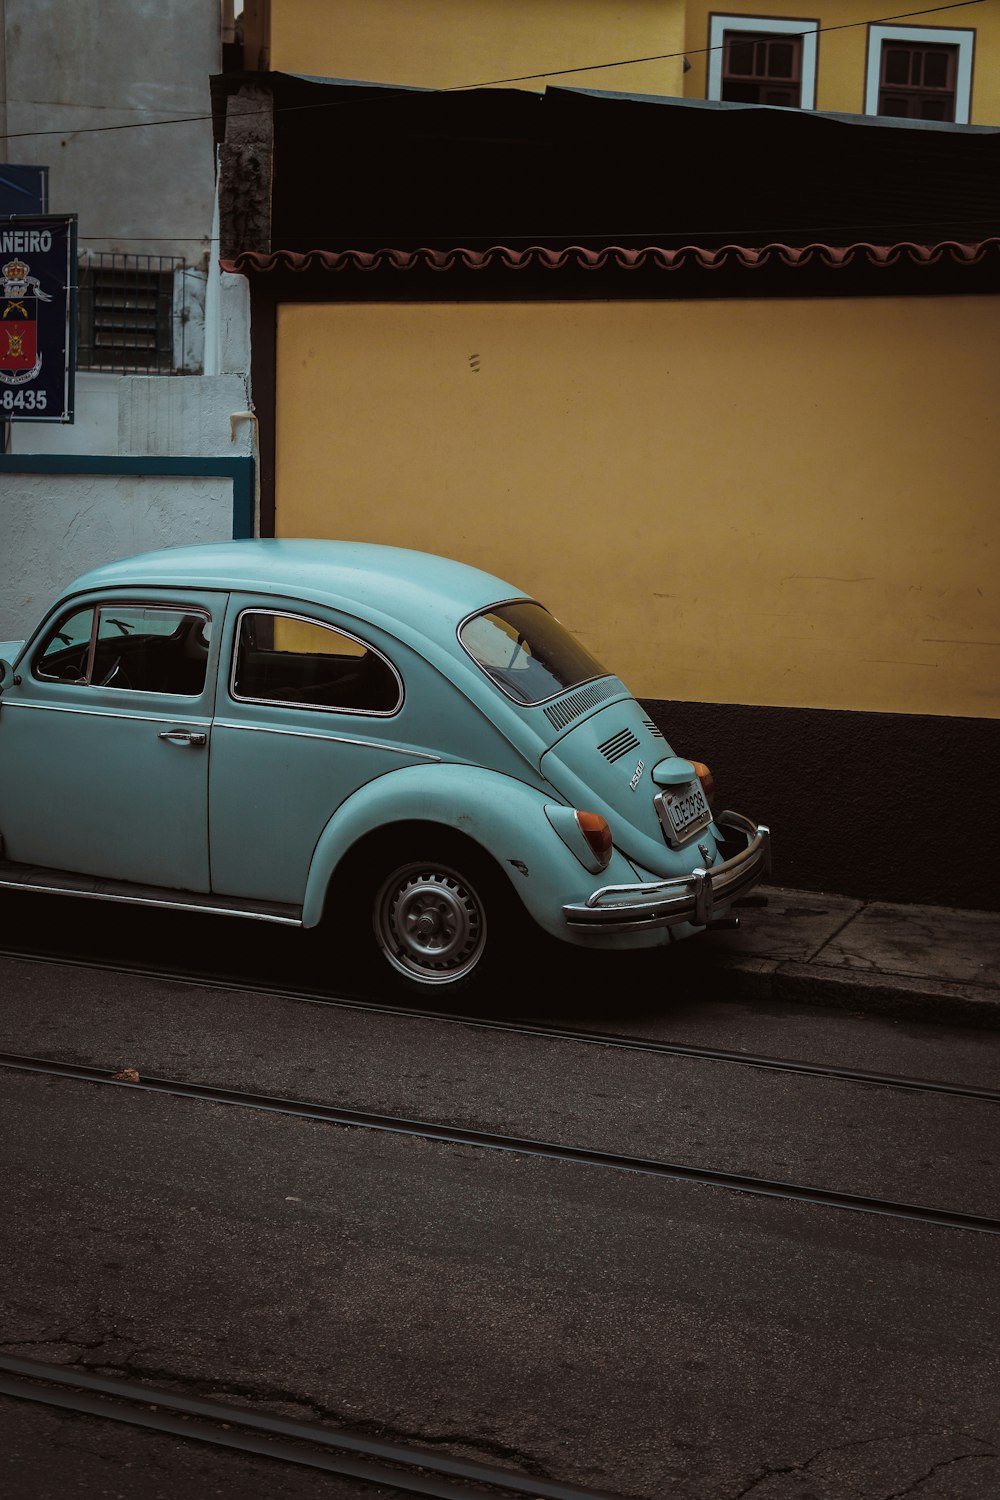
pixel 683 898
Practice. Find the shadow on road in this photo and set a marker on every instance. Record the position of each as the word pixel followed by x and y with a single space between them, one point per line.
pixel 550 982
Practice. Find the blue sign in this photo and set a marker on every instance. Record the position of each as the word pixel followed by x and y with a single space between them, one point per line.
pixel 37 318
pixel 23 190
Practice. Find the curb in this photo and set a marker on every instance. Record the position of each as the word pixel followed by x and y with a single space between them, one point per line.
pixel 905 996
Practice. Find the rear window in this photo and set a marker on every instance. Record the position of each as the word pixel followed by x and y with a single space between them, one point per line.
pixel 527 652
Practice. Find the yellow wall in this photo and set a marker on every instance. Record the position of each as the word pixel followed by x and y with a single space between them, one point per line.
pixel 447 43
pixel 842 51
pixel 788 503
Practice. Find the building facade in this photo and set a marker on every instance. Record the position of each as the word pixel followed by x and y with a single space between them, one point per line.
pixel 116 103
pixel 937 65
pixel 710 375
pixel 933 64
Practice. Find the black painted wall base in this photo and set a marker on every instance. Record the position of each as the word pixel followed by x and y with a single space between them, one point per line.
pixel 888 807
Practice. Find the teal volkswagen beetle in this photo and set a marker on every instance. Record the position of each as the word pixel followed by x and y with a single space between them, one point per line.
pixel 402 746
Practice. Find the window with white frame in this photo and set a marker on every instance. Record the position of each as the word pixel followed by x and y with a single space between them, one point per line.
pixel 919 73
pixel 762 60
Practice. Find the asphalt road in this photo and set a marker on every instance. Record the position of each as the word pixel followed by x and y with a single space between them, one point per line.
pixel 648 1337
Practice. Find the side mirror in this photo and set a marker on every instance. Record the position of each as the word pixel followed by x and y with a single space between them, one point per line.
pixel 6 674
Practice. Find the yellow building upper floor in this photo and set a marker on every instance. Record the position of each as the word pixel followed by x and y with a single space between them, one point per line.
pixel 852 57
pixel 843 56
pixel 446 44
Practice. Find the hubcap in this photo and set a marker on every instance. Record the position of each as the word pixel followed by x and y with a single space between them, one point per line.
pixel 430 923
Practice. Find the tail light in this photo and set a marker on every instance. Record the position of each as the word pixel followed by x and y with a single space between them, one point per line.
pixel 597 831
pixel 706 778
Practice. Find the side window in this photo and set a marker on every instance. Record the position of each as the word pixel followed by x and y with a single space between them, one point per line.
pixel 151 649
pixel 137 648
pixel 63 656
pixel 919 73
pixel 762 60
pixel 762 69
pixel 287 659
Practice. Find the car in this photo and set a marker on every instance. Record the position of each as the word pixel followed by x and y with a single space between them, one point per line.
pixel 399 746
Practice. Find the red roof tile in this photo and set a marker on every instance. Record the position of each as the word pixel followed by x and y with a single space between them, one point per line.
pixel 616 256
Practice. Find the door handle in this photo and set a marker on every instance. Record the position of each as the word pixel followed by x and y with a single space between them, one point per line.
pixel 183 737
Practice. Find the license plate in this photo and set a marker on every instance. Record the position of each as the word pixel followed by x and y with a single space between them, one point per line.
pixel 683 810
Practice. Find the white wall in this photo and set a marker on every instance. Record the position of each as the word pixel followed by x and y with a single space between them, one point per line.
pixel 54 527
pixel 175 416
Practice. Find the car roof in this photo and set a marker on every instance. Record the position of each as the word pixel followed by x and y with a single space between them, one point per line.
pixel 408 586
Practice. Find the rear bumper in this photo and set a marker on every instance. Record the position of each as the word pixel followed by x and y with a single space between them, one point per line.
pixel 684 898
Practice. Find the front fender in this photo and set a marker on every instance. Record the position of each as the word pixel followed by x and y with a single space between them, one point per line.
pixel 504 816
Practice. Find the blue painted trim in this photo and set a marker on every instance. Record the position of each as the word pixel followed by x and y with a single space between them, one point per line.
pixel 241 471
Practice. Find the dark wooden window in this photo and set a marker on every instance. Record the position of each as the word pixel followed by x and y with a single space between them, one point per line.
pixel 917 81
pixel 762 68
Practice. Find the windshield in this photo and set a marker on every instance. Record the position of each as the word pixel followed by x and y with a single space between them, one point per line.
pixel 527 652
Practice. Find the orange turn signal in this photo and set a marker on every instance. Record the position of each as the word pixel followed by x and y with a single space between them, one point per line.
pixel 597 831
pixel 706 778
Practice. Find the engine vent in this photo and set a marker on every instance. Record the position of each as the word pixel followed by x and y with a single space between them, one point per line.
pixel 618 745
pixel 574 704
pixel 653 728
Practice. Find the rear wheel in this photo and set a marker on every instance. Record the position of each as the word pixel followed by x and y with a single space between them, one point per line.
pixel 431 908
pixel 431 922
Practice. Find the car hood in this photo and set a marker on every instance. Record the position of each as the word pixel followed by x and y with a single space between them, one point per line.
pixel 11 650
pixel 603 765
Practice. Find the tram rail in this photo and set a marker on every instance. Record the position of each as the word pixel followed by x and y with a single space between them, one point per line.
pixel 520 1027
pixel 407 1468
pixel 522 1145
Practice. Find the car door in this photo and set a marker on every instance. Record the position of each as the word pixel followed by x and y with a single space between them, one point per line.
pixel 105 736
pixel 309 709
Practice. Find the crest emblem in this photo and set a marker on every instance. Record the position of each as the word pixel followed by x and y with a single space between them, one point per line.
pixel 20 360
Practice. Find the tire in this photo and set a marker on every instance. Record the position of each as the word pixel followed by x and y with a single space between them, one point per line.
pixel 439 918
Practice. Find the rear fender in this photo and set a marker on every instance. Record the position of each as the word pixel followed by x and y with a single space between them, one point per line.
pixel 503 816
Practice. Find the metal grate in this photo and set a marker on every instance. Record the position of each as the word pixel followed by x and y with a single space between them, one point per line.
pixel 569 708
pixel 126 313
pixel 654 728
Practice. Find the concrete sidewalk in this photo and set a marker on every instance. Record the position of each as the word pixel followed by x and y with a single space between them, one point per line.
pixel 927 963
